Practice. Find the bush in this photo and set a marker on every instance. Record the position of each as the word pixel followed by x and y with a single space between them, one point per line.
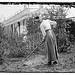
pixel 22 49
pixel 35 40
pixel 18 48
pixel 14 47
pixel 33 26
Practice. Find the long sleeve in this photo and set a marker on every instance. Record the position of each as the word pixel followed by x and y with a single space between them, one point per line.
pixel 42 30
pixel 45 25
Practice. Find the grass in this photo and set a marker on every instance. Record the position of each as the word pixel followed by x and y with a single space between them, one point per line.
pixel 66 63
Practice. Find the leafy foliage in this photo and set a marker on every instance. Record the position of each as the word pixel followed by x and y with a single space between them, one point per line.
pixel 32 26
pixel 71 30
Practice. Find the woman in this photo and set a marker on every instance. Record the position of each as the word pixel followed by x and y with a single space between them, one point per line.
pixel 50 38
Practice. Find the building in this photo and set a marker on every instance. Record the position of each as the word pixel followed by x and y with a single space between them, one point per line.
pixel 16 25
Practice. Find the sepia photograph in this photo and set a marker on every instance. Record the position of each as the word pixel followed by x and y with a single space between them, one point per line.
pixel 37 37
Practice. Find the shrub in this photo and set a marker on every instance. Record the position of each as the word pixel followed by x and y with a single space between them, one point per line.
pixel 33 26
pixel 18 48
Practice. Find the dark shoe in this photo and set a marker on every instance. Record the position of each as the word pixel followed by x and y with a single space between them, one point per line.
pixel 55 62
pixel 49 63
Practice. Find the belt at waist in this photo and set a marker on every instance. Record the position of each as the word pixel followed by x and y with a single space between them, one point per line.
pixel 48 30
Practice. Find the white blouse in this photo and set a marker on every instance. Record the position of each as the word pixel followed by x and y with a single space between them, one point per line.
pixel 45 25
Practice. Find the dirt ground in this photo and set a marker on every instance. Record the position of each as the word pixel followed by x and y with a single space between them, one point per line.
pixel 66 63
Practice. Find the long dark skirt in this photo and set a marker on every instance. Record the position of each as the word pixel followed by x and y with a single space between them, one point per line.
pixel 51 46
